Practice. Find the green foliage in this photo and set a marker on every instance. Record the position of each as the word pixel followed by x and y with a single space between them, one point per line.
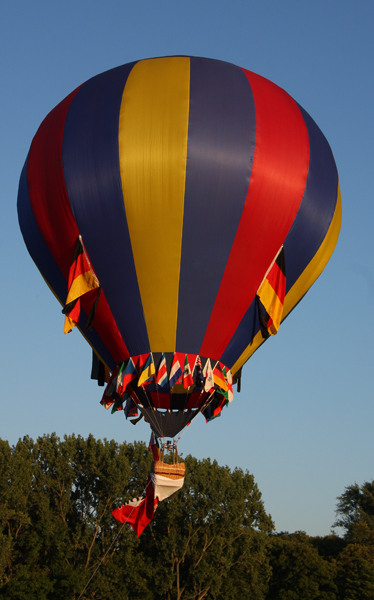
pixel 355 564
pixel 355 576
pixel 56 498
pixel 214 527
pixel 328 546
pixel 212 540
pixel 356 505
pixel 298 571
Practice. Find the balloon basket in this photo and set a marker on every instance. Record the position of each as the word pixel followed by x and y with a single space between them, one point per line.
pixel 174 470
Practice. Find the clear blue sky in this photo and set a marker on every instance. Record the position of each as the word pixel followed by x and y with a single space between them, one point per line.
pixel 307 431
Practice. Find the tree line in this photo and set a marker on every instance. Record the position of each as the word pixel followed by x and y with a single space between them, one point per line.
pixel 213 539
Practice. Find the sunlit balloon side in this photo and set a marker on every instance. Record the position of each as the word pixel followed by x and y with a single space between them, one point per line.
pixel 180 208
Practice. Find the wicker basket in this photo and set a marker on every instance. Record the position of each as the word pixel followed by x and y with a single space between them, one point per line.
pixel 176 471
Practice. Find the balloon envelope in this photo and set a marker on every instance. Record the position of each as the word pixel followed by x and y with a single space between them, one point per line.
pixel 184 177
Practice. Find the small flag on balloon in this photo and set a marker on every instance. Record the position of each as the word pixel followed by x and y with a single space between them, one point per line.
pixel 229 386
pixel 119 384
pixel 198 373
pixel 222 385
pixel 110 395
pixel 208 374
pixel 175 372
pixel 187 375
pixel 80 281
pixel 270 296
pixel 118 405
pixel 128 373
pixel 219 378
pixel 162 373
pixel 147 374
pixel 130 409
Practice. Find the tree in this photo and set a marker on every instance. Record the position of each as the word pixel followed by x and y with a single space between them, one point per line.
pixel 356 505
pixel 56 499
pixel 355 563
pixel 17 473
pixel 209 540
pixel 298 571
pixel 355 572
pixel 56 527
pixel 328 546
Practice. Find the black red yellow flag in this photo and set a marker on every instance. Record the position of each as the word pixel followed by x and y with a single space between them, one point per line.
pixel 270 296
pixel 81 280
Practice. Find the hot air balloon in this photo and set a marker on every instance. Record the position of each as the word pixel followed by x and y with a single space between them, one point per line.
pixel 179 208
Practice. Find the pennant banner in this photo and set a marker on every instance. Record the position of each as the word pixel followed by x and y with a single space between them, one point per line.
pixel 136 386
pixel 139 512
